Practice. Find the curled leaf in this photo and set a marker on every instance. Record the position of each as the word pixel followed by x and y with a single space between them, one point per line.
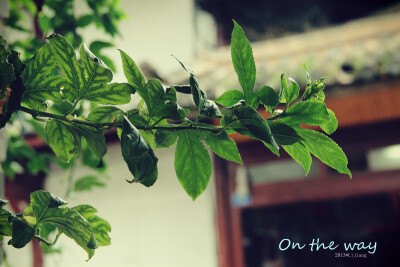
pixel 137 152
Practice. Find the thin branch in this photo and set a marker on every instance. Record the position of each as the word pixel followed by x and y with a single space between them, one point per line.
pixel 41 239
pixel 37 113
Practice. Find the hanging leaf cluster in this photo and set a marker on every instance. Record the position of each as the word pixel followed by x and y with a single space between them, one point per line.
pixel 46 213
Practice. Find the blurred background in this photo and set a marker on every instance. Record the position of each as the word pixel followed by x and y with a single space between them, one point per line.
pixel 246 210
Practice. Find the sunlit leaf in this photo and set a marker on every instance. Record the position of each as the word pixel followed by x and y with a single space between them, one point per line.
pixel 230 98
pixel 312 113
pixel 104 114
pixel 69 221
pixel 62 140
pixel 325 149
pixel 192 163
pixel 90 81
pixel 331 126
pixel 243 61
pixel 222 145
pixel 100 227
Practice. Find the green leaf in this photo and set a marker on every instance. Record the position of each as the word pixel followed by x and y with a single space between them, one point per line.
pixel 148 136
pixel 210 109
pixel 105 114
pixel 85 20
pixel 267 96
pixel 331 126
pixel 222 145
pixel 44 22
pixel 288 93
pixel 257 126
pixel 94 138
pixel 45 229
pixel 312 113
pixel 133 74
pixel 90 82
pixel 65 58
pixel 325 149
pixel 150 179
pixel 100 227
pixel 87 183
pixel 230 98
pixel 65 139
pixel 137 152
pixel 22 233
pixel 243 61
pixel 136 117
pixel 42 200
pixel 40 84
pixel 314 91
pixel 300 154
pixel 192 163
pixel 5 225
pixel 198 95
pixel 89 159
pixel 284 134
pixel 96 47
pixel 68 221
pixel 62 140
pixel 205 107
pixel 162 104
pixel 165 138
pixel 96 79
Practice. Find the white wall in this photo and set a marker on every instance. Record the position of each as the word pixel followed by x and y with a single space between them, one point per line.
pixel 157 226
pixel 155 30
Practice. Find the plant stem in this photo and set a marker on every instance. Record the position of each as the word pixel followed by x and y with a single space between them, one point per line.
pixel 36 113
pixel 38 238
pixel 70 181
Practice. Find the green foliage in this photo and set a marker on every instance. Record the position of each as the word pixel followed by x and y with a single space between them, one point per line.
pixel 87 182
pixel 137 153
pixel 157 122
pixel 11 68
pixel 312 113
pixel 22 233
pixel 61 139
pixel 40 84
pixel 46 209
pixel 105 114
pixel 40 18
pixel 89 81
pixel 100 227
pixel 5 226
pixel 243 62
pixel 256 126
pixel 330 126
pixel 267 96
pixel 288 93
pixel 222 145
pixel 44 214
pixel 230 98
pixel 325 149
pixel 192 163
pixel 205 106
pixel 165 139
